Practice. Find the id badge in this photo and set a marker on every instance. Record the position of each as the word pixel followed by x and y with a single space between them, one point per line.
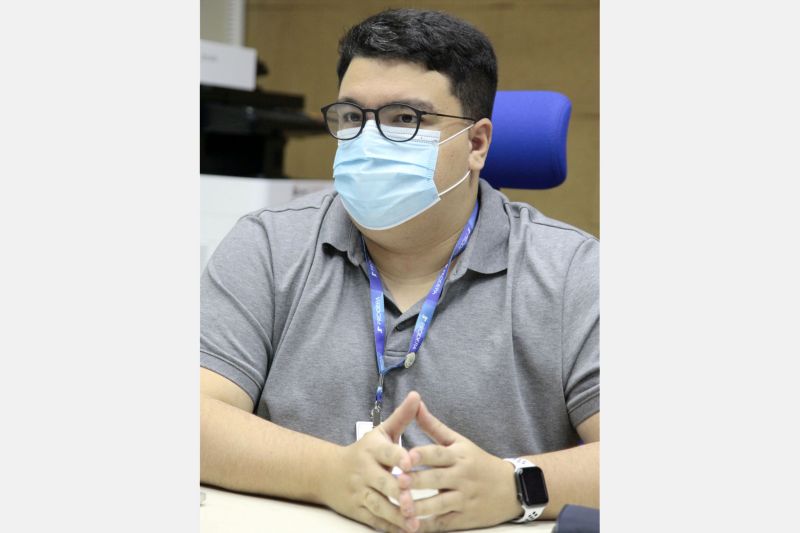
pixel 364 427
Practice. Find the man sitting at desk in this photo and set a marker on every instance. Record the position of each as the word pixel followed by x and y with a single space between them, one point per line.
pixel 482 314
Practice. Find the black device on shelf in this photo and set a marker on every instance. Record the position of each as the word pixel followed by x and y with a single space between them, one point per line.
pixel 243 133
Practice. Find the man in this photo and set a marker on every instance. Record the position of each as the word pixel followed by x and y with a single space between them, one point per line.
pixel 481 313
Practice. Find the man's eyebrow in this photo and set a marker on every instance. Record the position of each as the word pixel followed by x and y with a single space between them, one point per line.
pixel 348 100
pixel 422 105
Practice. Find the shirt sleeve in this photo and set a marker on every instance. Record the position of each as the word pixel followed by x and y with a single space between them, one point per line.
pixel 580 334
pixel 236 307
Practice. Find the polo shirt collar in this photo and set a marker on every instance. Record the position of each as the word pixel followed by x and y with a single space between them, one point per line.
pixel 340 232
pixel 487 251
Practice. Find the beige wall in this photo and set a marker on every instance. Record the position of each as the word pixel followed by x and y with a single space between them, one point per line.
pixel 541 45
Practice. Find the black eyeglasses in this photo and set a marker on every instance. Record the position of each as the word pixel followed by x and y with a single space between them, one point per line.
pixel 346 121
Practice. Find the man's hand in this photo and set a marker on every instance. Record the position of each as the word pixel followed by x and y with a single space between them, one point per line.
pixel 476 489
pixel 360 481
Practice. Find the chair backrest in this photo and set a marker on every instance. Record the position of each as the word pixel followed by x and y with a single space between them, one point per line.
pixel 529 140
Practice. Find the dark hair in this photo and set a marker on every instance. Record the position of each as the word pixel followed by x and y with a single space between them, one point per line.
pixel 437 41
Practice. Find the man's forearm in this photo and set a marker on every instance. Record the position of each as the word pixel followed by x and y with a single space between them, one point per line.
pixel 243 452
pixel 572 477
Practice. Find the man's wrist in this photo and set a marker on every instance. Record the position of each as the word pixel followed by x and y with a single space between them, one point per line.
pixel 508 501
pixel 329 479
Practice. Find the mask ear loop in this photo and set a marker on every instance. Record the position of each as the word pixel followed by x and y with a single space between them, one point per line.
pixel 459 182
pixel 456 134
pixel 453 186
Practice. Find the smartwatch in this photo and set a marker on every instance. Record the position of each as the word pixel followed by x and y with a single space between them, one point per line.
pixel 531 489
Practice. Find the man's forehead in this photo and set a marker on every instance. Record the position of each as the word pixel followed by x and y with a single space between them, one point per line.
pixel 373 82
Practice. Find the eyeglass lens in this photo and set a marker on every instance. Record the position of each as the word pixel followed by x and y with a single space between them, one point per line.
pixel 397 122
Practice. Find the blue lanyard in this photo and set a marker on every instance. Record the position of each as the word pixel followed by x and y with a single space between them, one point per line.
pixel 423 320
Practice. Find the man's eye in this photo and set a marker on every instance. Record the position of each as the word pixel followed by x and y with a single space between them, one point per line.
pixel 405 118
pixel 351 117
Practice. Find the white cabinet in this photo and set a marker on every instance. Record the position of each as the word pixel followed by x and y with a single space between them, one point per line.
pixel 225 199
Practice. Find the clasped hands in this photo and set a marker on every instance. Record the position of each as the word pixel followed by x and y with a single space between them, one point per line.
pixel 476 489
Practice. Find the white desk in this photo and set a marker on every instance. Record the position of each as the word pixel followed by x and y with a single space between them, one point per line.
pixel 228 512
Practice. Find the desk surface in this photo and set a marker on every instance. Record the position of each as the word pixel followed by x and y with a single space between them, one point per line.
pixel 229 512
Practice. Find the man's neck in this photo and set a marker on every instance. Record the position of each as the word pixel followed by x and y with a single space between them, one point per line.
pixel 412 264
pixel 417 251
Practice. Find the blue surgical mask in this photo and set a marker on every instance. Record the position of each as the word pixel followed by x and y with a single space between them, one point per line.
pixel 383 183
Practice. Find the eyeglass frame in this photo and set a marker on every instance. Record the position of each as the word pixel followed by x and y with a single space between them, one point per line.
pixel 375 112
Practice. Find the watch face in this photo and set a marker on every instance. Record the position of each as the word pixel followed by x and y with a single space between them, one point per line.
pixel 532 487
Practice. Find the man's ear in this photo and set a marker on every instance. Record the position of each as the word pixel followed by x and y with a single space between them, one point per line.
pixel 480 137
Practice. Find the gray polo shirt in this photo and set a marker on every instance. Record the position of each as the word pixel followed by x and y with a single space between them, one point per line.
pixel 510 361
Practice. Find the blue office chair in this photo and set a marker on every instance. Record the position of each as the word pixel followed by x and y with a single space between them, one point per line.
pixel 529 140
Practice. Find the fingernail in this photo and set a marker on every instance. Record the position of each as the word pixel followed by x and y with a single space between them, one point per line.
pixel 414 457
pixel 407 503
pixel 404 481
pixel 412 524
